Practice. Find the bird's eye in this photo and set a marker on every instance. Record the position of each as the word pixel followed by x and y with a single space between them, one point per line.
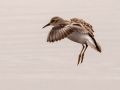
pixel 52 21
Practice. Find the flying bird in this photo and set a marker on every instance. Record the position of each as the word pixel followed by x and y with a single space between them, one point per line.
pixel 74 29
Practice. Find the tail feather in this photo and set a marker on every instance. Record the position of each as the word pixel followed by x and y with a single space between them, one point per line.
pixel 99 47
pixel 95 46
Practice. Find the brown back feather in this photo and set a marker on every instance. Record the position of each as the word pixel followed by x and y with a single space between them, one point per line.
pixel 84 24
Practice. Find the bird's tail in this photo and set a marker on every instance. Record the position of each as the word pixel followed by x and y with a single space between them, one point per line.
pixel 93 44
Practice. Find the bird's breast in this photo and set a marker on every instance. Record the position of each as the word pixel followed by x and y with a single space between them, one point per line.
pixel 78 37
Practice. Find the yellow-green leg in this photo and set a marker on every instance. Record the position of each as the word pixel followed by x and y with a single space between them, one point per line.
pixel 81 55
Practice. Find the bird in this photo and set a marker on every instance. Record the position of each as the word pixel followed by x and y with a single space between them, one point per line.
pixel 76 30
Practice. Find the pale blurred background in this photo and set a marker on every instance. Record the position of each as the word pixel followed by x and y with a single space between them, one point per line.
pixel 28 62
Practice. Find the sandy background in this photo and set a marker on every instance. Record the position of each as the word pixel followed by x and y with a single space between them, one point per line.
pixel 28 62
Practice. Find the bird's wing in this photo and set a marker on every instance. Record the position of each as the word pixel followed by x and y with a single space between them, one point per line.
pixel 84 24
pixel 61 31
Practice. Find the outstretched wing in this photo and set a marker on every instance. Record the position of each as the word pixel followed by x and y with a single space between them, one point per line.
pixel 84 24
pixel 61 31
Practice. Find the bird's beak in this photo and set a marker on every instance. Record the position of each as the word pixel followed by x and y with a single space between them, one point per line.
pixel 47 25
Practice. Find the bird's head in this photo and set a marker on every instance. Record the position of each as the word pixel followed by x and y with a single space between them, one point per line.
pixel 54 21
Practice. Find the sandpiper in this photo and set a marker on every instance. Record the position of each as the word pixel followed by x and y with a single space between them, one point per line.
pixel 76 30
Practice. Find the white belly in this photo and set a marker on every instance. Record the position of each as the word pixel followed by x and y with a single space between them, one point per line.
pixel 79 37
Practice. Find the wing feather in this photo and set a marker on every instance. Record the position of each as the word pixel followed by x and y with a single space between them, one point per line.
pixel 61 31
pixel 84 24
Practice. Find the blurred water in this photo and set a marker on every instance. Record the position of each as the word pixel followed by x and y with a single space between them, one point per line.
pixel 28 62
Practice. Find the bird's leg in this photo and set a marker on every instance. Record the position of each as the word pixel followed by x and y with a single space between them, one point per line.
pixel 81 55
pixel 84 52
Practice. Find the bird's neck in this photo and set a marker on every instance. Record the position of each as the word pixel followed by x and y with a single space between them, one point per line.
pixel 67 22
